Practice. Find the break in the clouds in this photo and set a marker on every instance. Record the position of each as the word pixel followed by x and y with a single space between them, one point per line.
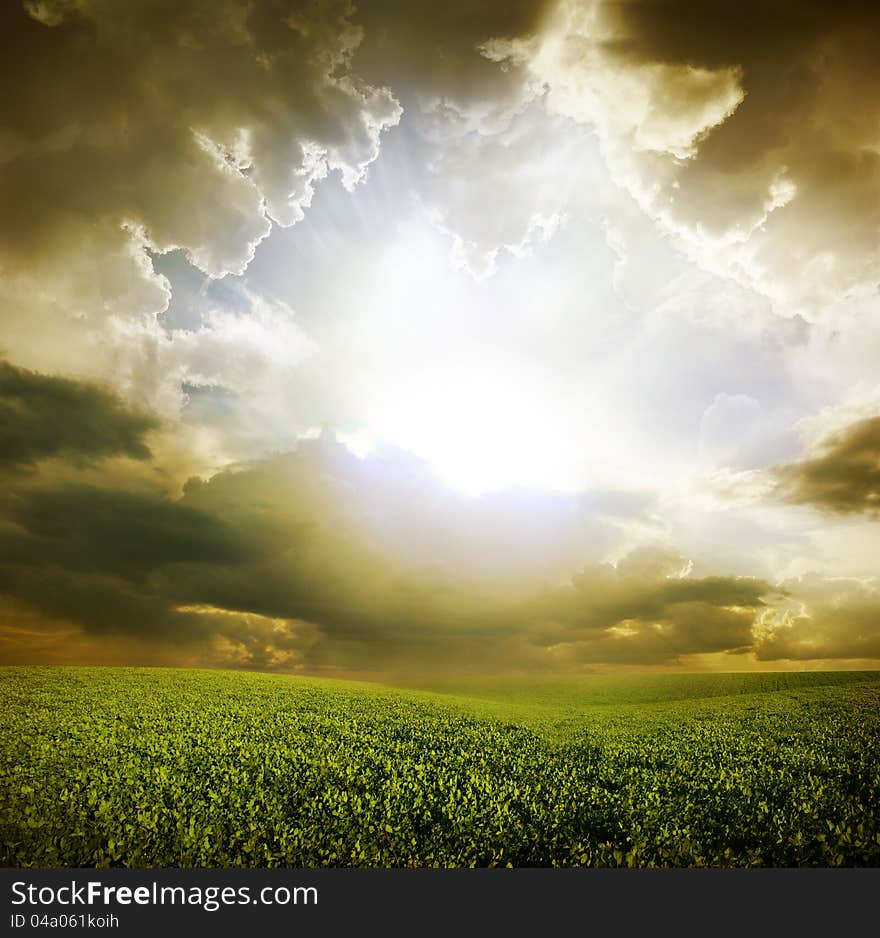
pixel 380 337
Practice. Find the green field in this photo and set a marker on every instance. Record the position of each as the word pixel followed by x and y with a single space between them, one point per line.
pixel 150 767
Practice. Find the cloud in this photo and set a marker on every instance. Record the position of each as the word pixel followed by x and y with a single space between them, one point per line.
pixel 842 475
pixel 322 561
pixel 527 171
pixel 438 58
pixel 148 146
pixel 747 130
pixel 737 433
pixel 651 106
pixel 648 609
pixel 475 127
pixel 195 131
pixel 247 345
pixel 826 618
pixel 161 126
pixel 43 417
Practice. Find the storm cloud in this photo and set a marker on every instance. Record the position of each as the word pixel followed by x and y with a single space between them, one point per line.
pixel 43 416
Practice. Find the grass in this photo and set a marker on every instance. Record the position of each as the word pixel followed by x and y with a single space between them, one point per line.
pixel 160 767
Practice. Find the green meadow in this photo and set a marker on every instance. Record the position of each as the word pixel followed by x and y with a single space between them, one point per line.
pixel 154 767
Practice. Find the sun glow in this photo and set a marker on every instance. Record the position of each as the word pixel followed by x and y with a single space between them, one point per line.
pixel 480 431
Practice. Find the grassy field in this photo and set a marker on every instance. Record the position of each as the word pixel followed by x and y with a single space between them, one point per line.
pixel 150 767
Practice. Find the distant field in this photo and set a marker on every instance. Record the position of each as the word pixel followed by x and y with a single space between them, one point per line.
pixel 154 767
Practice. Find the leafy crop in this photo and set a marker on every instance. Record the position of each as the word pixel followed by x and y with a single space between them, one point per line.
pixel 144 768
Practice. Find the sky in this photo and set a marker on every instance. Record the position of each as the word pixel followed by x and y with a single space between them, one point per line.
pixel 393 340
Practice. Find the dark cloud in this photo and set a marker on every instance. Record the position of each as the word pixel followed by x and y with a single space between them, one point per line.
pixel 253 561
pixel 162 107
pixel 107 529
pixel 319 560
pixel 842 476
pixel 744 33
pixel 43 416
pixel 645 609
pixel 95 556
pixel 435 51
